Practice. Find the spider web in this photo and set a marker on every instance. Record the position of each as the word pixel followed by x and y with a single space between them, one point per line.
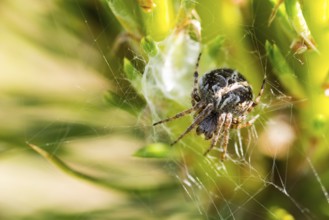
pixel 207 179
pixel 205 182
pixel 208 188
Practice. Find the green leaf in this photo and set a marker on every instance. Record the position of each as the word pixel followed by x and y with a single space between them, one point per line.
pixel 149 46
pixel 100 181
pixel 67 169
pixel 283 71
pixel 277 10
pixel 154 150
pixel 159 22
pixel 297 20
pixel 129 15
pixel 131 72
pixel 137 102
pixel 116 100
pixel 133 75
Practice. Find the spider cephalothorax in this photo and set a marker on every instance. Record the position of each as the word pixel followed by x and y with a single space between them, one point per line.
pixel 221 100
pixel 227 89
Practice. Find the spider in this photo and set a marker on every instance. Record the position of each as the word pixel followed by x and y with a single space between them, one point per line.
pixel 221 100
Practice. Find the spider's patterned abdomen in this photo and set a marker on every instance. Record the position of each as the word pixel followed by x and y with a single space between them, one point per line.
pixel 208 125
pixel 227 89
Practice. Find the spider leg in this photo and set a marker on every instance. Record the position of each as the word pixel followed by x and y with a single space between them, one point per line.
pixel 218 130
pixel 253 104
pixel 196 121
pixel 236 123
pixel 226 134
pixel 181 114
pixel 195 95
pixel 238 120
pixel 246 124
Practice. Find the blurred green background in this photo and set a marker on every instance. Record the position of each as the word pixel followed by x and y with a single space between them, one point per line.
pixel 82 81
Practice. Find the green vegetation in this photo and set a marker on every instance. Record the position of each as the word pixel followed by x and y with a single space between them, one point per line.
pixel 83 81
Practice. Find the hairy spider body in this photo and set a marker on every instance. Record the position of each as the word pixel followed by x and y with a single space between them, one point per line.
pixel 221 99
pixel 229 92
pixel 227 89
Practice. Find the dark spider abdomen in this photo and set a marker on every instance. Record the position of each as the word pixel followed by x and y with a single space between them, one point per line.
pixel 208 125
pixel 227 89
